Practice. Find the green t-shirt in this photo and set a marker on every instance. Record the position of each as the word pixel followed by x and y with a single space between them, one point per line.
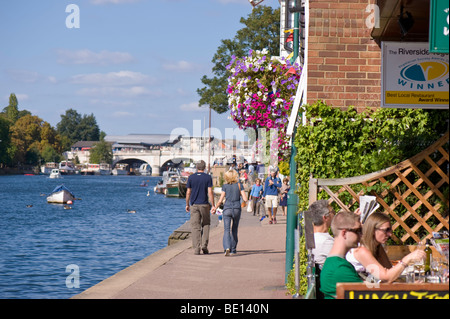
pixel 336 269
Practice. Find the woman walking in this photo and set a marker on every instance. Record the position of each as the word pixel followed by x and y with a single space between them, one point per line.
pixel 231 192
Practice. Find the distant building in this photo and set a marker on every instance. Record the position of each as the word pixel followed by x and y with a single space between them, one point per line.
pixel 81 151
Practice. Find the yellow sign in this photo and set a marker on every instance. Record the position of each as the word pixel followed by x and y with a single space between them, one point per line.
pixel 414 97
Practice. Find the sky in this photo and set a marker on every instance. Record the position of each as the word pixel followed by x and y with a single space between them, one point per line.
pixel 135 64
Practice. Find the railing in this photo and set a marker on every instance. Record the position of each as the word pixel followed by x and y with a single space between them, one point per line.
pixel 415 193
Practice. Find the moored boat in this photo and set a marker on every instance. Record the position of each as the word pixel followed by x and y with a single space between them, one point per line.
pixel 60 195
pixel 160 187
pixel 145 170
pixel 55 173
pixel 176 186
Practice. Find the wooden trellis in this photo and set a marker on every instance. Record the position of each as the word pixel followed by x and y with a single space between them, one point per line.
pixel 415 193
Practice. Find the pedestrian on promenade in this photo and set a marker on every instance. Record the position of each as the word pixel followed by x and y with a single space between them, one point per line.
pixel 255 194
pixel 271 194
pixel 199 188
pixel 231 192
pixel 283 195
pixel 347 233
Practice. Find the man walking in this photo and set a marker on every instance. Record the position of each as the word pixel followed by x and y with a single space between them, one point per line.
pixel 199 188
pixel 271 194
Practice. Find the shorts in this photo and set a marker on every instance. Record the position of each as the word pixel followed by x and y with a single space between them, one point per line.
pixel 271 201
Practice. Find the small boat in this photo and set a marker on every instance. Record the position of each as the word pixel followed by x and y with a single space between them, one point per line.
pixel 120 169
pixel 55 173
pixel 176 186
pixel 160 187
pixel 61 195
pixel 144 183
pixel 145 170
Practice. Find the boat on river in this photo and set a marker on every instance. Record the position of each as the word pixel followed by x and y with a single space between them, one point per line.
pixel 176 186
pixel 60 195
pixel 55 173
pixel 160 187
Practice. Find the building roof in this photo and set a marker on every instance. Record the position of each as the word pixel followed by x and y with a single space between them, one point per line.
pixel 84 144
pixel 143 139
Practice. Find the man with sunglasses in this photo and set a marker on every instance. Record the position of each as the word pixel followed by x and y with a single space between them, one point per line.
pixel 347 231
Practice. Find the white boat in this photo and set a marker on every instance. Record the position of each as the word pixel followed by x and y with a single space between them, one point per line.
pixel 60 195
pixel 120 169
pixel 104 169
pixel 55 173
pixel 47 168
pixel 145 169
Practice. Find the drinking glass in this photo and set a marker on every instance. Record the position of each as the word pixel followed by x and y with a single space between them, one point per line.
pixel 410 276
pixel 443 271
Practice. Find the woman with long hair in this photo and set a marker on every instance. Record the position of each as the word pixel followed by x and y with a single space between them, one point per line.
pixel 370 256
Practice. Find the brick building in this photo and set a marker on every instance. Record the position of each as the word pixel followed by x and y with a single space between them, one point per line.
pixel 344 46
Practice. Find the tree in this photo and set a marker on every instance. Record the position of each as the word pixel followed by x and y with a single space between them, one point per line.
pixel 5 142
pixel 12 111
pixel 101 153
pixel 31 136
pixel 261 31
pixel 74 127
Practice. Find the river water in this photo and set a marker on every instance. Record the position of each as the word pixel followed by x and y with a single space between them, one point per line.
pixel 46 251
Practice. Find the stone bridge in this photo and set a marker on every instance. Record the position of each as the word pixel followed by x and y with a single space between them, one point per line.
pixel 158 150
pixel 159 158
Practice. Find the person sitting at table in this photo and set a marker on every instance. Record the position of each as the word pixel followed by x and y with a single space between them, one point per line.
pixel 371 258
pixel 347 232
pixel 321 216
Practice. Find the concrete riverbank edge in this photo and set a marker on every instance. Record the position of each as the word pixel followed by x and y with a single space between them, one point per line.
pixel 174 272
pixel 113 285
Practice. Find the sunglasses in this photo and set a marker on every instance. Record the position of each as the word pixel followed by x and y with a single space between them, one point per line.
pixel 385 230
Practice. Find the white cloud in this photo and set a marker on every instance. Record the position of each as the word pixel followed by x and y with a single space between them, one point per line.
pixel 121 78
pixel 193 106
pixel 25 76
pixel 180 66
pixel 89 57
pixel 130 92
pixel 123 114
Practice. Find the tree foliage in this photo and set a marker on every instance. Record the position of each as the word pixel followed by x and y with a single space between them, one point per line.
pixel 261 31
pixel 30 136
pixel 27 139
pixel 343 143
pixel 101 153
pixel 75 127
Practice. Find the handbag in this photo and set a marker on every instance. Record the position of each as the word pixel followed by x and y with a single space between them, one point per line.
pixel 243 203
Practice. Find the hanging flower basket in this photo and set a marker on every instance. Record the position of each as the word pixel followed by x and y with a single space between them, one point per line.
pixel 261 91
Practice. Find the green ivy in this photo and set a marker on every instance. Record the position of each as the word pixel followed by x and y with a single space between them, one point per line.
pixel 338 143
pixel 344 143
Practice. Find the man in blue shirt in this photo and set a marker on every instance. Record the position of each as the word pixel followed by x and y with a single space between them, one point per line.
pixel 199 188
pixel 271 194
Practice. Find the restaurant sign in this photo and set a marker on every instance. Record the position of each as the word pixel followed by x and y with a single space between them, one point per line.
pixel 412 77
pixel 439 26
pixel 392 291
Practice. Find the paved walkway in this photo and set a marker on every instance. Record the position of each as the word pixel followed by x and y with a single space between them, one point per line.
pixel 256 271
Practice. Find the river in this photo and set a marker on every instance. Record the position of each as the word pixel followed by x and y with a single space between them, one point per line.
pixel 45 249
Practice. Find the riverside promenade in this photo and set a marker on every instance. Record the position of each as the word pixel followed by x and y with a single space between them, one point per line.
pixel 257 271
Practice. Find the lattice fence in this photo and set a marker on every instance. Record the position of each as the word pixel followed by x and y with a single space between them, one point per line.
pixel 415 193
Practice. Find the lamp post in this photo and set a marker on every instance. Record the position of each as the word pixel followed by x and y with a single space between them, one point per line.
pixel 292 198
